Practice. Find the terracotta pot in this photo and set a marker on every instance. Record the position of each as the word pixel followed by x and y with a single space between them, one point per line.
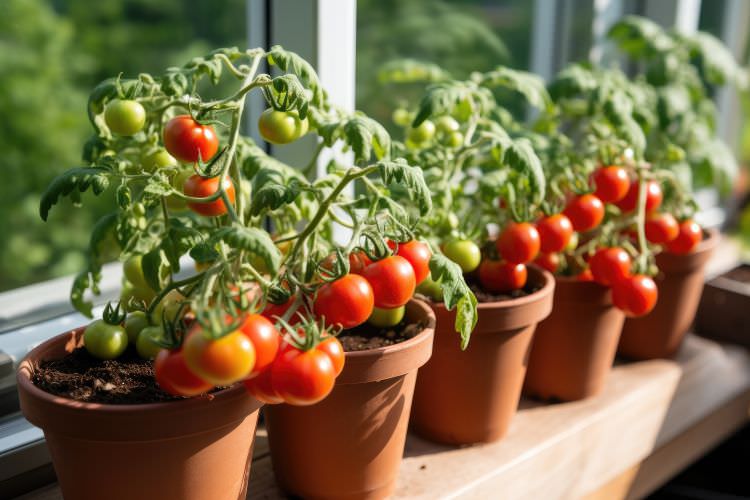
pixel 659 334
pixel 193 449
pixel 471 396
pixel 350 444
pixel 575 347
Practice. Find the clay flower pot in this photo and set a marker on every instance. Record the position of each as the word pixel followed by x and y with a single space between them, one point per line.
pixel 575 347
pixel 659 334
pixel 193 449
pixel 350 444
pixel 471 396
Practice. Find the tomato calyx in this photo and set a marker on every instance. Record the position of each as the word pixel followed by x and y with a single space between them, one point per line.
pixel 114 315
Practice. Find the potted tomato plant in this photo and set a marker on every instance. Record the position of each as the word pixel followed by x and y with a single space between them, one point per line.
pixel 474 155
pixel 165 374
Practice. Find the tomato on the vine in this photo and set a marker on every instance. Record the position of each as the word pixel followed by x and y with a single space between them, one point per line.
pixel 303 377
pixel 635 295
pixel 221 361
pixel 134 323
pixel 157 159
pixel 431 288
pixel 585 212
pixel 418 254
pixel 548 261
pixel 555 232
pixel 661 228
pixel 653 197
pixel 333 348
pixel 187 140
pixel 104 340
pixel 392 280
pixel 497 276
pixel 610 265
pixel 422 133
pixel 689 235
pixel 261 388
pixel 585 275
pixel 124 116
pixel 200 187
pixel 518 243
pixel 465 253
pixel 265 338
pixel 173 375
pixel 385 318
pixel 281 127
pixel 611 183
pixel 348 301
pixel 147 343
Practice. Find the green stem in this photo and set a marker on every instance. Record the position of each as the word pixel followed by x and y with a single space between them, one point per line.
pixel 173 286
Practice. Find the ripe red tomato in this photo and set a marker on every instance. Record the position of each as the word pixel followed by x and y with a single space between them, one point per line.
pixel 303 377
pixel 555 233
pixel 418 254
pixel 611 183
pixel 261 388
pixel 518 243
pixel 333 348
pixel 173 375
pixel 222 361
pixel 392 280
pixel 357 262
pixel 689 236
pixel 187 140
pixel 265 338
pixel 548 261
pixel 653 197
pixel 348 301
pixel 201 187
pixel 585 212
pixel 585 275
pixel 610 265
pixel 497 276
pixel 661 228
pixel 635 295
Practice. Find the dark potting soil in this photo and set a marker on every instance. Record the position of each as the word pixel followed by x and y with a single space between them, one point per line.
pixel 741 274
pixel 128 379
pixel 367 336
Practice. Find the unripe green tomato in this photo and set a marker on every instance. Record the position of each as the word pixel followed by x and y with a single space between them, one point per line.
pixel 385 318
pixel 124 117
pixel 401 117
pixel 105 341
pixel 452 220
pixel 168 307
pixel 134 272
pixel 446 124
pixel 157 159
pixel 139 209
pixel 463 111
pixel 572 243
pixel 174 202
pixel 146 345
pixel 465 253
pixel 281 127
pixel 431 289
pixel 303 125
pixel 423 133
pixel 453 139
pixel 128 291
pixel 134 323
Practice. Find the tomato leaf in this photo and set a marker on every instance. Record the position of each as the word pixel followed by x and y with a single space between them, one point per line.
pixel 398 171
pixel 81 283
pixel 180 238
pixel 154 264
pixel 520 155
pixel 640 37
pixel 531 86
pixel 366 136
pixel 253 240
pixel 446 97
pixel 411 71
pixel 103 229
pixel 456 293
pixel 71 183
pixel 285 60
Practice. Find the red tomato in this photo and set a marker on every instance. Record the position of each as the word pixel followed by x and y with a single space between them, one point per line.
pixel 585 275
pixel 635 295
pixel 358 261
pixel 303 377
pixel 418 254
pixel 548 261
pixel 661 228
pixel 201 187
pixel 585 212
pixel 518 243
pixel 265 338
pixel 333 348
pixel 173 375
pixel 689 236
pixel 222 361
pixel 653 197
pixel 610 265
pixel 187 140
pixel 348 301
pixel 261 388
pixel 555 233
pixel 497 276
pixel 392 280
pixel 611 183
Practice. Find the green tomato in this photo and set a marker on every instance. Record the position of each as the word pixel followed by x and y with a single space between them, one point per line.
pixel 431 289
pixel 129 291
pixel 167 308
pixel 465 253
pixel 124 117
pixel 147 342
pixel 134 323
pixel 447 124
pixel 463 111
pixel 453 139
pixel 385 318
pixel 401 117
pixel 572 243
pixel 105 341
pixel 157 159
pixel 134 272
pixel 281 127
pixel 423 133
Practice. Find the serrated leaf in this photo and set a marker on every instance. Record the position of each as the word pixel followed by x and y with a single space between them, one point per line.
pixel 180 238
pixel 531 86
pixel 71 183
pixel 153 264
pixel 252 240
pixel 456 293
pixel 401 172
pixel 572 81
pixel 285 60
pixel 716 62
pixel 366 136
pixel 520 155
pixel 444 98
pixel 640 37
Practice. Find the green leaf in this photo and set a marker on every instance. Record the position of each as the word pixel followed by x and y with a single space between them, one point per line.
pixel 716 157
pixel 456 293
pixel 285 60
pixel 444 98
pixel 573 81
pixel 520 155
pixel 411 71
pixel 71 183
pixel 295 95
pixel 366 136
pixel 531 86
pixel 640 37
pixel 398 171
pixel 619 111
pixel 81 283
pixel 154 265
pixel 252 240
pixel 180 238
pixel 716 62
pixel 103 229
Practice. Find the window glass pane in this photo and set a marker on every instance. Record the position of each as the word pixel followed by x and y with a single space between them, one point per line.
pixel 52 53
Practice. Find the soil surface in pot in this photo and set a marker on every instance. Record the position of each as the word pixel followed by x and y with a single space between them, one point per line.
pixel 128 379
pixel 367 336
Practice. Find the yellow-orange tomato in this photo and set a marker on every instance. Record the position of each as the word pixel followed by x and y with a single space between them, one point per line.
pixel 222 361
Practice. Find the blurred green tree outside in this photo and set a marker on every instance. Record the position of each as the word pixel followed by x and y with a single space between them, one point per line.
pixel 52 53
